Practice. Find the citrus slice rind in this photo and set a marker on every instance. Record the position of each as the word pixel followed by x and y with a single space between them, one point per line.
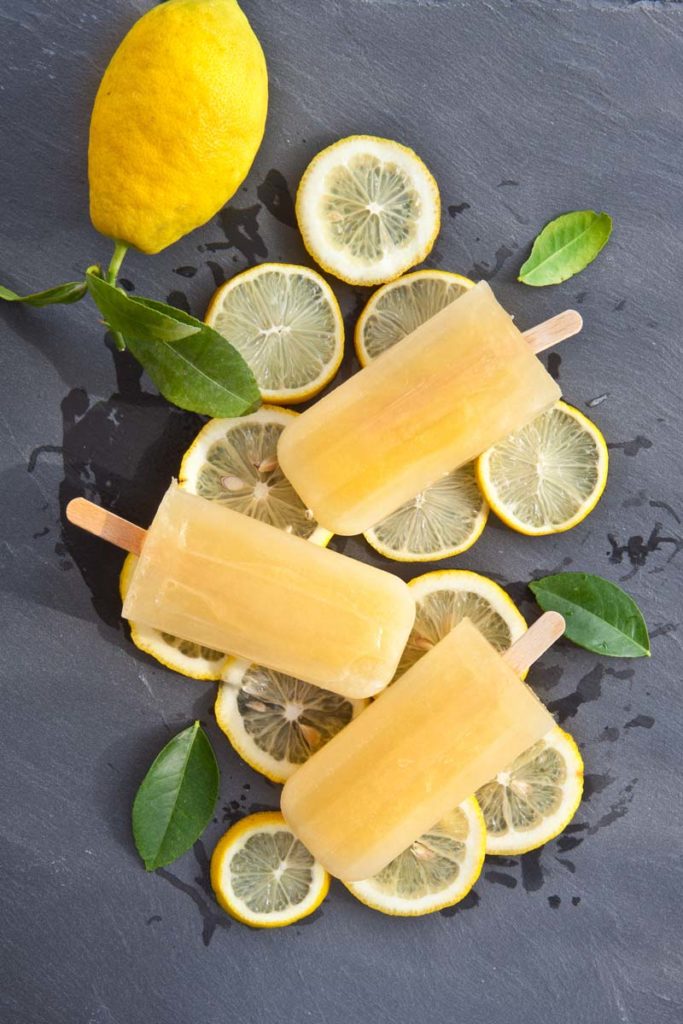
pixel 436 871
pixel 398 308
pixel 535 798
pixel 263 876
pixel 286 323
pixel 368 209
pixel 274 721
pixel 443 520
pixel 547 477
pixel 234 462
pixel 444 597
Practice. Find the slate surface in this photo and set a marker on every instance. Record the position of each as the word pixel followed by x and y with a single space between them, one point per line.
pixel 522 110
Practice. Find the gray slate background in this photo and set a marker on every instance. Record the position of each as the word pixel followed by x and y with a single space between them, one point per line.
pixel 522 110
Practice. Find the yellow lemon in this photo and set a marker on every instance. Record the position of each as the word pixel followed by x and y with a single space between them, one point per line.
pixel 400 307
pixel 286 322
pixel 368 209
pixel 263 876
pixel 535 798
pixel 547 477
pixel 177 122
pixel 276 722
pixel 445 597
pixel 436 871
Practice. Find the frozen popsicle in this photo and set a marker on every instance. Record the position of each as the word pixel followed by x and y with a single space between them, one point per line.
pixel 222 579
pixel 454 720
pixel 462 381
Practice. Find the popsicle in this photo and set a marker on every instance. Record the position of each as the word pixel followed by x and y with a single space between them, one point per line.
pixel 462 381
pixel 459 716
pixel 222 579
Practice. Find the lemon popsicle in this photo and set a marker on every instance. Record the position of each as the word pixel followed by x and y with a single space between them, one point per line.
pixel 453 721
pixel 459 383
pixel 227 581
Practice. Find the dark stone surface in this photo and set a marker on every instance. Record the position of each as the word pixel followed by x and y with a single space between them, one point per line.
pixel 522 110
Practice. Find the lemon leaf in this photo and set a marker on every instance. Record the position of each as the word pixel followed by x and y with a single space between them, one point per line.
pixel 192 365
pixel 600 616
pixel 71 291
pixel 176 798
pixel 134 317
pixel 566 246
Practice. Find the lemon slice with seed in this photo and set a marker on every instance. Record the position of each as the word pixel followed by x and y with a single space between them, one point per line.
pixel 444 520
pixel 437 871
pixel 535 798
pixel 182 656
pixel 368 209
pixel 234 462
pixel 547 477
pixel 398 308
pixel 445 597
pixel 263 876
pixel 274 721
pixel 286 323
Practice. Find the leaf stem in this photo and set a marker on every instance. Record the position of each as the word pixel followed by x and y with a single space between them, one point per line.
pixel 120 250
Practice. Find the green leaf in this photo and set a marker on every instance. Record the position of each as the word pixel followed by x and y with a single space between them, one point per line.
pixel 191 364
pixel 566 246
pixel 72 291
pixel 600 616
pixel 132 316
pixel 176 799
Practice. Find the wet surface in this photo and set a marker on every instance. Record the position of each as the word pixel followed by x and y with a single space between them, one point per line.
pixel 84 712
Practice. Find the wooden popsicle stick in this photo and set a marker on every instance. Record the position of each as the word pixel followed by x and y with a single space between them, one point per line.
pixel 106 525
pixel 551 332
pixel 535 642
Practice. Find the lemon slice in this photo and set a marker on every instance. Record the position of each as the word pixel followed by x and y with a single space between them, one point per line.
pixel 536 798
pixel 548 476
pixel 401 306
pixel 438 870
pixel 287 324
pixel 182 656
pixel 445 597
pixel 447 517
pixel 368 209
pixel 443 520
pixel 262 875
pixel 234 462
pixel 274 721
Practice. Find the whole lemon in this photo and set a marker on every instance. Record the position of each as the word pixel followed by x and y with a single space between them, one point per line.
pixel 177 122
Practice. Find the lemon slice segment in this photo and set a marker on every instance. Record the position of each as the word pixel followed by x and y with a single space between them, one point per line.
pixel 437 871
pixel 449 516
pixel 398 308
pixel 234 462
pixel 445 597
pixel 181 656
pixel 263 876
pixel 444 520
pixel 286 322
pixel 274 721
pixel 547 477
pixel 535 798
pixel 368 209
